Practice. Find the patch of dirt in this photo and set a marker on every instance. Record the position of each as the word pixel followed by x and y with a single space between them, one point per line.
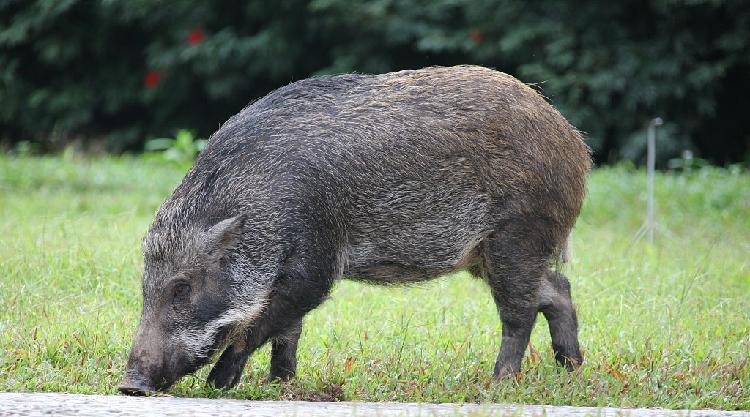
pixel 330 392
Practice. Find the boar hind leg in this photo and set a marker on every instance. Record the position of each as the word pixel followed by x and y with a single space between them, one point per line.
pixel 556 305
pixel 284 353
pixel 513 268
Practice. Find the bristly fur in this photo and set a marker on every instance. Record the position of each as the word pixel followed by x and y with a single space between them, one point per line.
pixel 390 178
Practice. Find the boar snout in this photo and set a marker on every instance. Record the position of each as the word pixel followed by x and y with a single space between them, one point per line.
pixel 135 384
pixel 144 376
pixel 148 369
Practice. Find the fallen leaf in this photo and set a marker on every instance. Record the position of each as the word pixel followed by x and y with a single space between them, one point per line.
pixel 348 364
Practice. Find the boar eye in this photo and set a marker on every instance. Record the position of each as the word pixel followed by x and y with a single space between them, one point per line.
pixel 181 291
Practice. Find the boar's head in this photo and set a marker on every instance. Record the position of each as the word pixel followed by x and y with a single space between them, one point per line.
pixel 198 294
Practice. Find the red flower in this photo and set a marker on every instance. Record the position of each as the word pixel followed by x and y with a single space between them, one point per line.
pixel 196 36
pixel 152 79
pixel 476 36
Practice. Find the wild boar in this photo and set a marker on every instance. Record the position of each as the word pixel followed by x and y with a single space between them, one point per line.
pixel 391 178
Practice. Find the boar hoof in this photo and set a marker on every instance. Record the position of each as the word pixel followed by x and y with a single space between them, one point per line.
pixel 570 363
pixel 223 377
pixel 504 374
pixel 279 377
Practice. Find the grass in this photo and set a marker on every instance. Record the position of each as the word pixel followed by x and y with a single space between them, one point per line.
pixel 663 325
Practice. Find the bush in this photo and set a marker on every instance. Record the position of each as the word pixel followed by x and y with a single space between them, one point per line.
pixel 127 70
pixel 182 149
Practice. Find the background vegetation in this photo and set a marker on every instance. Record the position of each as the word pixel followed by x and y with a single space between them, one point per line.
pixel 122 71
pixel 663 325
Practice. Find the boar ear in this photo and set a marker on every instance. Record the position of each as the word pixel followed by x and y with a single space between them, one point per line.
pixel 224 235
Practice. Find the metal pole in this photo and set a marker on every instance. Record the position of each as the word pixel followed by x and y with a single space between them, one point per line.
pixel 650 168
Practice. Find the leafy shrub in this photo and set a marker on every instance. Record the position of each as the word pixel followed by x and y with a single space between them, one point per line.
pixel 126 70
pixel 182 149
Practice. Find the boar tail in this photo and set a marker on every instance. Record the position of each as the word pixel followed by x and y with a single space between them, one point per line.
pixel 566 252
pixel 562 255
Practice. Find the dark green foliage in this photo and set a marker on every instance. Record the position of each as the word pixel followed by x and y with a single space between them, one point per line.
pixel 127 70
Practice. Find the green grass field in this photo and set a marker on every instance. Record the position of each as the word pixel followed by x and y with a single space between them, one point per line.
pixel 663 325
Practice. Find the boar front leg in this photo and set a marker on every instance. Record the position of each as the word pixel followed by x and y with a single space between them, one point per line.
pixel 301 287
pixel 284 353
pixel 227 371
